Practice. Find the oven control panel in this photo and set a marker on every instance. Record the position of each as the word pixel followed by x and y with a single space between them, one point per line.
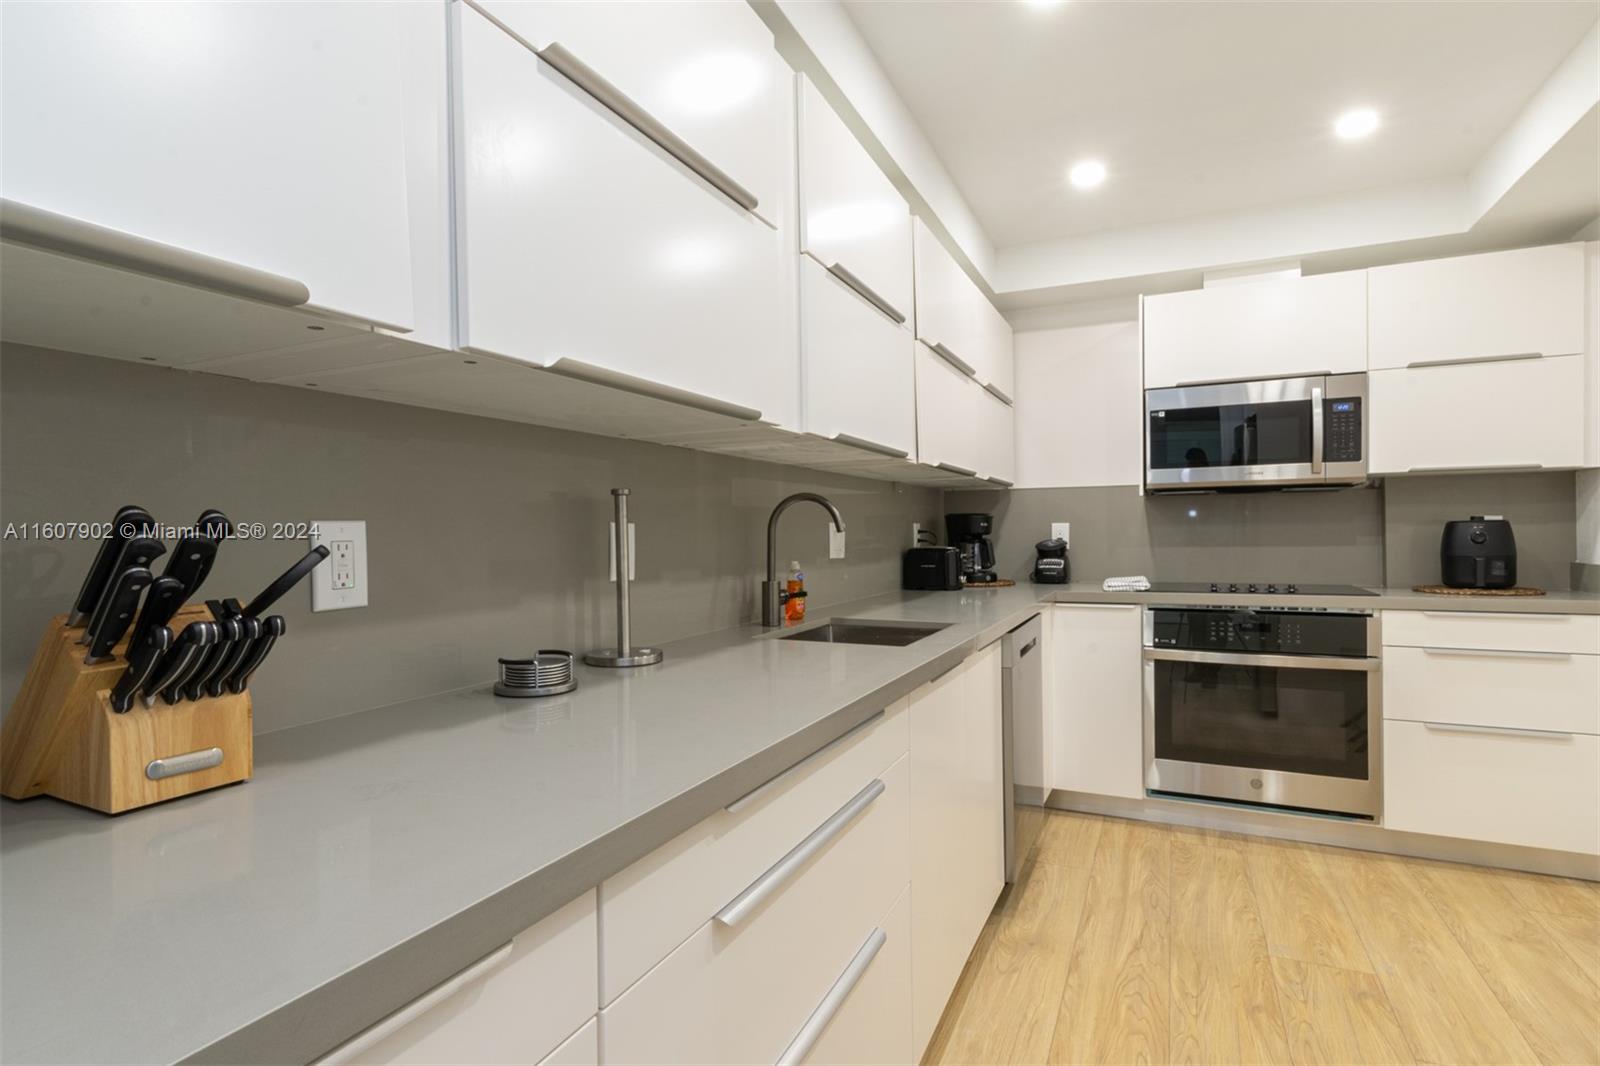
pixel 1263 631
pixel 1341 433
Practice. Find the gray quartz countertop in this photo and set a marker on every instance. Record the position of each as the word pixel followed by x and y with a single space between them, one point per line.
pixel 1390 599
pixel 374 855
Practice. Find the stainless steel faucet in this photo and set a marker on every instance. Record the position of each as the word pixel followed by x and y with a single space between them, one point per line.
pixel 774 596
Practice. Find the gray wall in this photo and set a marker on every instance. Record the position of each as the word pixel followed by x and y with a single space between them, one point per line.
pixel 485 538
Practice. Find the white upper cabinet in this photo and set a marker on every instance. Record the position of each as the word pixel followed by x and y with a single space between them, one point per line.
pixel 270 136
pixel 996 355
pixel 1473 308
pixel 852 219
pixel 856 367
pixel 592 247
pixel 997 443
pixel 947 434
pixel 956 319
pixel 704 71
pixel 1245 330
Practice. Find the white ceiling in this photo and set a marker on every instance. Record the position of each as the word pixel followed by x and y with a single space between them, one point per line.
pixel 1203 109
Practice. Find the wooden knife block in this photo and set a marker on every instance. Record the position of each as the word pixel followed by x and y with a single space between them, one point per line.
pixel 63 739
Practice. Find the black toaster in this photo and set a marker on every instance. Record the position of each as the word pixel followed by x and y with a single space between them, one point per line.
pixel 931 568
pixel 1478 553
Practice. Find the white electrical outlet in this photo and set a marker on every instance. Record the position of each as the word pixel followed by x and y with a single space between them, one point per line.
pixel 835 543
pixel 1062 531
pixel 340 581
pixel 916 534
pixel 633 553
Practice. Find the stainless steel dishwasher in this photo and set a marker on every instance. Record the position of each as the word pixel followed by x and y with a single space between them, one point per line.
pixel 1022 693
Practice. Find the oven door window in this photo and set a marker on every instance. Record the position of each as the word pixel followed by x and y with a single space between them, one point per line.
pixel 1303 721
pixel 1255 434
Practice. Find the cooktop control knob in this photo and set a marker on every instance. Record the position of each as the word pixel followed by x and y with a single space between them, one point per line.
pixel 1252 587
pixel 1271 587
pixel 1291 588
pixel 1215 587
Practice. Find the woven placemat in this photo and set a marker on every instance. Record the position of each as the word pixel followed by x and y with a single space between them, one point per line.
pixel 1446 590
pixel 1002 583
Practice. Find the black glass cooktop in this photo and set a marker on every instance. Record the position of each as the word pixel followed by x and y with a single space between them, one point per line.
pixel 1261 588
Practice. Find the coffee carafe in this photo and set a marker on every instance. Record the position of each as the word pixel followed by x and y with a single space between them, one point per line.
pixel 969 535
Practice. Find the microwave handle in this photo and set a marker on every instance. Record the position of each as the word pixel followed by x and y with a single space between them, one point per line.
pixel 1316 429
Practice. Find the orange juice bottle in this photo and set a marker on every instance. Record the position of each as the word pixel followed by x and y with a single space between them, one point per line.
pixel 794 608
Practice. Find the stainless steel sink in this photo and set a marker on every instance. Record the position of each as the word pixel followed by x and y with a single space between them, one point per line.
pixel 867 631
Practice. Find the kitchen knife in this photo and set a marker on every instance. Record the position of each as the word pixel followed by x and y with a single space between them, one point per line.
pixel 141 660
pixel 214 524
pixel 190 562
pixel 271 629
pixel 99 575
pixel 286 581
pixel 138 552
pixel 236 654
pixel 228 631
pixel 116 612
pixel 179 664
pixel 166 595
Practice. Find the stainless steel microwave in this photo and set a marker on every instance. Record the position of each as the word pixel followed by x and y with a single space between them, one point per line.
pixel 1257 434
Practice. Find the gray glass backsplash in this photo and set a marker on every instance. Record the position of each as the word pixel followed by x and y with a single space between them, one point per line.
pixel 485 538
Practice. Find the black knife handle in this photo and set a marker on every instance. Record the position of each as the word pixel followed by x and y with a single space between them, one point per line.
pixel 237 651
pixel 229 630
pixel 175 666
pixel 286 581
pixel 166 595
pixel 271 629
pixel 141 551
pixel 141 660
pixel 99 575
pixel 213 524
pixel 191 561
pixel 118 609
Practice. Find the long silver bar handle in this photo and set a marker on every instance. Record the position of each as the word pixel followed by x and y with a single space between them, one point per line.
pixel 624 107
pixel 615 379
pixel 1509 357
pixel 954 469
pixel 1002 482
pixel 1499 653
pixel 953 359
pixel 765 886
pixel 624 564
pixel 1494 730
pixel 867 292
pixel 812 1030
pixel 1286 662
pixel 871 446
pixel 766 786
pixel 1316 429
pixel 1486 467
pixel 999 394
pixel 50 232
pixel 1513 615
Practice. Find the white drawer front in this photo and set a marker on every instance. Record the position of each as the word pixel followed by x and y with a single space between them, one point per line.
pixel 874 1023
pixel 741 994
pixel 1515 689
pixel 580 1049
pixel 1532 790
pixel 514 1006
pixel 652 906
pixel 1576 633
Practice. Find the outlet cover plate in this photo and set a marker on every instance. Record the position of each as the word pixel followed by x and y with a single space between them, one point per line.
pixel 340 582
pixel 835 543
pixel 1062 531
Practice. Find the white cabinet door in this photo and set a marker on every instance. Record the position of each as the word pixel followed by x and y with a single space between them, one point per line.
pixel 1276 327
pixel 856 365
pixel 579 239
pixel 1475 307
pixel 874 1023
pixel 580 1049
pixel 706 71
pixel 850 212
pixel 1477 416
pixel 957 836
pixel 263 134
pixel 997 444
pixel 1532 789
pixel 1098 717
pixel 947 403
pixel 516 1005
pixel 947 316
pixel 996 357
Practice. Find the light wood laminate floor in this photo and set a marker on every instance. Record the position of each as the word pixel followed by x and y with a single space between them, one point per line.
pixel 1128 942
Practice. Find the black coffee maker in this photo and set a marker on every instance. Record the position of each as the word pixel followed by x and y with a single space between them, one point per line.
pixel 969 535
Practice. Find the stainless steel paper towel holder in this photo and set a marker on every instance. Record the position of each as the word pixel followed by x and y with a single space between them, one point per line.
pixel 624 653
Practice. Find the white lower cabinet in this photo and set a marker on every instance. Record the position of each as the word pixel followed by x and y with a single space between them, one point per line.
pixel 1518 414
pixel 529 999
pixel 1492 727
pixel 745 985
pixel 957 834
pixel 1097 719
pixel 873 1024
pixel 580 1049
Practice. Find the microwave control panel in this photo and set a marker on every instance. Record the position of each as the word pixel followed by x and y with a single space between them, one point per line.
pixel 1341 419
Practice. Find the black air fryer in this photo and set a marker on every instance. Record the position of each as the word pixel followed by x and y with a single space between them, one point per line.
pixel 1479 553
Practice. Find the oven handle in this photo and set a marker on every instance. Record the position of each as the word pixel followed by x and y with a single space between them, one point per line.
pixel 1289 662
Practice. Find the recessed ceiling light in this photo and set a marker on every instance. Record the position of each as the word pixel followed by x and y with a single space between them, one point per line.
pixel 1087 174
pixel 1356 124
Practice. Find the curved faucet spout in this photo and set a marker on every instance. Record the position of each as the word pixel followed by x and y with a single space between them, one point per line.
pixel 773 597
